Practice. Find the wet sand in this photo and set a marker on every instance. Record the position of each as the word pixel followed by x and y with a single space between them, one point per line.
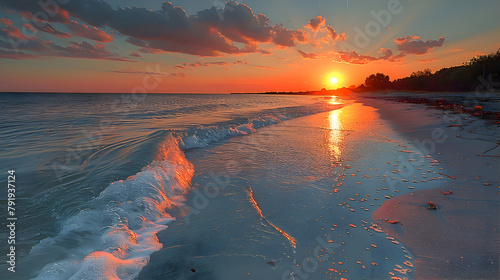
pixel 300 207
pixel 331 180
pixel 459 240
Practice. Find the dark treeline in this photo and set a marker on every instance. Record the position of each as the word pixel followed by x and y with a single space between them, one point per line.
pixel 477 74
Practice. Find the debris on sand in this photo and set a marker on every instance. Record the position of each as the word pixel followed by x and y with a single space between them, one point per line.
pixel 447 175
pixel 432 206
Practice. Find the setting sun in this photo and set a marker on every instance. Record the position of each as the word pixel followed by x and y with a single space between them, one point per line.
pixel 334 80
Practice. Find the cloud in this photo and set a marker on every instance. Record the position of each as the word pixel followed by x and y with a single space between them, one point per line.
pixel 429 60
pixel 406 45
pixel 10 31
pixel 264 52
pixel 264 67
pixel 150 51
pixel 353 57
pixel 135 72
pixel 323 31
pixel 334 35
pixel 33 11
pixel 413 45
pixel 307 55
pixel 134 54
pixel 219 63
pixel 73 50
pixel 6 21
pixel 316 23
pixel 47 28
pixel 19 41
pixel 210 32
pixel 283 37
pixel 186 65
pixel 29 45
pixel 16 55
pixel 86 50
pixel 130 71
pixel 82 30
pixel 180 75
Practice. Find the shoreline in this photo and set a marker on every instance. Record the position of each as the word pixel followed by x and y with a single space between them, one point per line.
pixel 461 237
pixel 304 160
pixel 347 92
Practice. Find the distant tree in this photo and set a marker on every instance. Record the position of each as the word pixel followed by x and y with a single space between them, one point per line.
pixel 485 65
pixel 377 81
pixel 466 77
pixel 420 80
pixel 422 74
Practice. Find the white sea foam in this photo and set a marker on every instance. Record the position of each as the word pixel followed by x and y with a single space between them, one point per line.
pixel 205 135
pixel 114 237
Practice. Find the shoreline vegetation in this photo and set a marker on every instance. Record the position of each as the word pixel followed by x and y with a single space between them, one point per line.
pixel 480 74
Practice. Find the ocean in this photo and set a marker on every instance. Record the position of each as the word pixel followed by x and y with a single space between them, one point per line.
pixel 163 186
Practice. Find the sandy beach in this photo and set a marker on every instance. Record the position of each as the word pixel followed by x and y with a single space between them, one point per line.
pixel 359 178
pixel 460 239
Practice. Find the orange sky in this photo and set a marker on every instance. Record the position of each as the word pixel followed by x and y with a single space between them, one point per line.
pixel 236 47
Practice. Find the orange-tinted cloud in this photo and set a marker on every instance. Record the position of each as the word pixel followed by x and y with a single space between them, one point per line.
pixel 47 28
pixel 429 60
pixel 18 41
pixel 353 57
pixel 16 55
pixel 319 27
pixel 210 32
pixel 6 21
pixel 74 50
pixel 414 45
pixel 264 67
pixel 316 23
pixel 134 54
pixel 10 31
pixel 135 72
pixel 130 71
pixel 151 51
pixel 33 12
pixel 308 55
pixel 82 30
pixel 206 64
pixel 86 50
pixel 180 75
pixel 334 35
pixel 406 45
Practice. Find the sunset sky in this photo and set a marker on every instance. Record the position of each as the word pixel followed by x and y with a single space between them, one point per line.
pixel 207 46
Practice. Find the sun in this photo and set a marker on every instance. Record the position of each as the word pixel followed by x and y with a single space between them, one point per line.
pixel 334 80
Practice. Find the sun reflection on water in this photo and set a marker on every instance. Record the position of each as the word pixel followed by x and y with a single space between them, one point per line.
pixel 334 100
pixel 335 134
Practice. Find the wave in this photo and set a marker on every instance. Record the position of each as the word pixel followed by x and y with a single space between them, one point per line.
pixel 114 236
pixel 203 136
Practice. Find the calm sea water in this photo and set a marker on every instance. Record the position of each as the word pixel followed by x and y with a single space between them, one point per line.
pixel 95 172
